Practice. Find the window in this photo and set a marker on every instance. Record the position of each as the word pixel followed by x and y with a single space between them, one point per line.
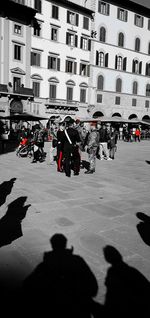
pixel 134 101
pixel 37 30
pixel 69 94
pixel 136 67
pixel 35 59
pixel 54 63
pixel 100 82
pixel 148 90
pixel 84 69
pixel 36 89
pixel 17 52
pixel 101 59
pixel 55 12
pixel 120 63
pixel 17 29
pixel 137 45
pixel 118 85
pixel 122 15
pixel 71 66
pixel 121 39
pixel 72 18
pixel 103 7
pixel 147 71
pixel 138 20
pixel 85 43
pixel 147 104
pixel 99 98
pixel 38 5
pixel 16 83
pixel 102 37
pixel 54 34
pixel 117 100
pixel 83 95
pixel 52 91
pixel 149 48
pixel 71 39
pixel 85 23
pixel 135 88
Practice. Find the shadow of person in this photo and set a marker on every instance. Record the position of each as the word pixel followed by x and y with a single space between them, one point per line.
pixel 127 289
pixel 147 161
pixel 63 284
pixel 10 223
pixel 144 227
pixel 5 189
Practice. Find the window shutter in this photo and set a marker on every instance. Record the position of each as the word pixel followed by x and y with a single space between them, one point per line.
pixel 146 72
pixel 133 66
pixel 88 70
pixel 67 37
pixel 68 13
pixel 149 48
pixel 116 57
pixel 89 45
pixel 81 42
pixel 75 67
pixel 106 60
pixel 77 19
pixel 97 54
pixel 80 68
pixel 142 22
pixel 66 66
pixel 49 61
pixel 32 58
pixel 135 19
pixel 108 8
pixel 140 68
pixel 118 13
pixel 38 59
pixel 58 64
pixel 76 40
pixel 124 63
pixel 126 16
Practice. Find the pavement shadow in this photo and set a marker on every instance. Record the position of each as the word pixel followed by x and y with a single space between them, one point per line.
pixel 5 189
pixel 10 223
pixel 127 289
pixel 148 162
pixel 144 227
pixel 62 285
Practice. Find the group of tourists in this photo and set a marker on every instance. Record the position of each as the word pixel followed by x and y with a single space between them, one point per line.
pixel 71 139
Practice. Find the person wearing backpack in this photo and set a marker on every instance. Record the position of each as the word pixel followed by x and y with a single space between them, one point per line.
pixel 92 145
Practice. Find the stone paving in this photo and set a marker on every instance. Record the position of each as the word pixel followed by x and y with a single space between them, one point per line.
pixel 92 211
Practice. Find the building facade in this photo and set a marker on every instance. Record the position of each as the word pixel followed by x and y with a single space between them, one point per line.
pixel 82 58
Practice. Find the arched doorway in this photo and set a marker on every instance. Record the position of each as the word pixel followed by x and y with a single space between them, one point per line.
pixel 116 115
pixel 98 114
pixel 132 116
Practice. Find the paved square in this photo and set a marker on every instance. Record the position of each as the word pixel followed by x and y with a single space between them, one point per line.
pixel 92 211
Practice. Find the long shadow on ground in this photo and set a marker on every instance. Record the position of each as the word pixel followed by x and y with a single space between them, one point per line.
pixel 143 227
pixel 5 189
pixel 10 223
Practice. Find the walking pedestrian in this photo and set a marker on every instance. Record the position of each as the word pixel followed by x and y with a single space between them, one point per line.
pixel 92 145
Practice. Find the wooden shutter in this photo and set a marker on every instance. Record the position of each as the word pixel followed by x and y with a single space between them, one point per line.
pixel 75 67
pixel 124 63
pixel 67 37
pixel 116 57
pixel 76 40
pixel 58 64
pixel 32 58
pixel 89 45
pixel 77 19
pixel 97 54
pixel 81 42
pixel 68 14
pixel 106 60
pixel 49 62
pixel 88 70
pixel 140 68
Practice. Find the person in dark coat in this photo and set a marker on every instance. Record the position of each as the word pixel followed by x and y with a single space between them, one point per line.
pixel 71 154
pixel 60 134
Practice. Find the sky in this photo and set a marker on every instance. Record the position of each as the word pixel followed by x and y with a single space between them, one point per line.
pixel 143 2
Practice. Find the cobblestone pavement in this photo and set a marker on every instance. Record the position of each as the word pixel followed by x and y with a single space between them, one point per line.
pixel 92 211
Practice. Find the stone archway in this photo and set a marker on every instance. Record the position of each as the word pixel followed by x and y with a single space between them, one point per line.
pixel 146 118
pixel 16 106
pixel 116 115
pixel 132 116
pixel 98 114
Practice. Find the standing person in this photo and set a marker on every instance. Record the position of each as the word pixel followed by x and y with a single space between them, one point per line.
pixel 53 144
pixel 92 145
pixel 104 137
pixel 113 142
pixel 71 149
pixel 60 147
pixel 138 134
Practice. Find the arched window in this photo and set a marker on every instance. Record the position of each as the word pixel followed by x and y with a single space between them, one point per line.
pixel 135 88
pixel 118 85
pixel 121 39
pixel 149 48
pixel 148 90
pixel 147 71
pixel 136 67
pixel 101 59
pixel 102 37
pixel 100 82
pixel 137 44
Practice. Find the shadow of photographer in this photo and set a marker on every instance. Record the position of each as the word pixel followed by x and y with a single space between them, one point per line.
pixel 144 227
pixel 5 190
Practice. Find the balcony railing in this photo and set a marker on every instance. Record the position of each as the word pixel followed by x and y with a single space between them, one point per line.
pixel 22 92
